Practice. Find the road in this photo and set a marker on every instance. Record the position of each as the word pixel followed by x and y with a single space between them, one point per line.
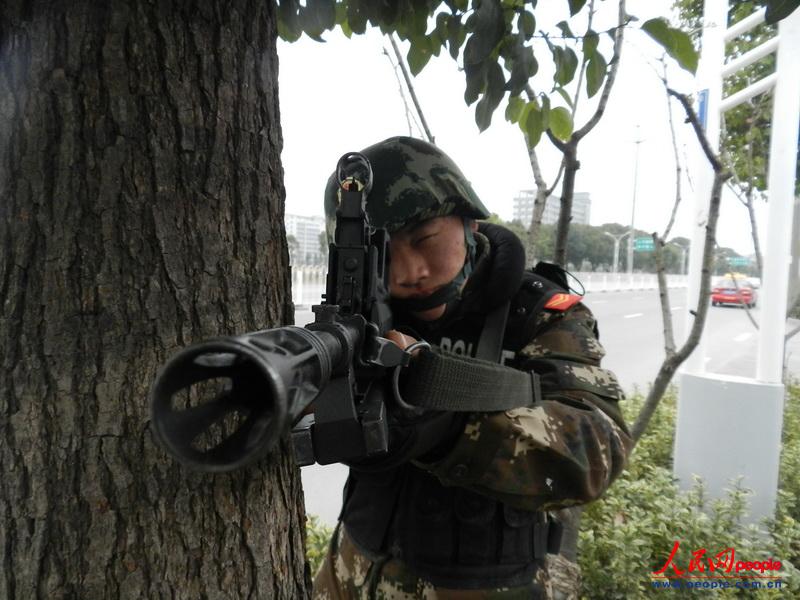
pixel 632 334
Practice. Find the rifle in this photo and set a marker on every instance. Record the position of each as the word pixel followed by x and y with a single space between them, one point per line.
pixel 337 363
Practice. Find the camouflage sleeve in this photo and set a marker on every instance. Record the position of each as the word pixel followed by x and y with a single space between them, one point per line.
pixel 563 451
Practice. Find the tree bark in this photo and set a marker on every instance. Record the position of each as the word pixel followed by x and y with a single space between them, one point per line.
pixel 141 209
pixel 539 204
pixel 571 166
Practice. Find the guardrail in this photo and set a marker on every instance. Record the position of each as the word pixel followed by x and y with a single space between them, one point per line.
pixel 620 282
pixel 308 283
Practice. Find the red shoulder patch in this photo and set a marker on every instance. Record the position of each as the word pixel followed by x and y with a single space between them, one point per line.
pixel 562 302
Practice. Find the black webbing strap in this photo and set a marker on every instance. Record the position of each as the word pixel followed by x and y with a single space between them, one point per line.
pixel 490 344
pixel 437 381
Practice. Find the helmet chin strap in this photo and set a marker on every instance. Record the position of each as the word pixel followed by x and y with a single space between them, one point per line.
pixel 451 292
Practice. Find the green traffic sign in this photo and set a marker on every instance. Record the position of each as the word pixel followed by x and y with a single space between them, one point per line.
pixel 644 244
pixel 738 261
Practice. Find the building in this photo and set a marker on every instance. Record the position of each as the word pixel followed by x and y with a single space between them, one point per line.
pixel 523 208
pixel 305 231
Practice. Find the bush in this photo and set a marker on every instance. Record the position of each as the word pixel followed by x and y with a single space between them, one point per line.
pixel 318 536
pixel 631 531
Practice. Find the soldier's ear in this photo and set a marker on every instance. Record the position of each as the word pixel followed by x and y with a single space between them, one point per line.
pixel 473 225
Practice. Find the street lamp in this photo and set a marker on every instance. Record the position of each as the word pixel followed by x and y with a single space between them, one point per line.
pixel 683 256
pixel 617 239
pixel 637 141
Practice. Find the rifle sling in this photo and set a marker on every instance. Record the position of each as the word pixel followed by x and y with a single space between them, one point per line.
pixel 456 383
pixel 438 381
pixel 490 344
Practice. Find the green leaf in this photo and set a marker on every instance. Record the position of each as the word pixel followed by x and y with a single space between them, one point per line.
pixel 514 109
pixel 523 67
pixel 495 90
pixel 590 41
pixel 318 16
pixel 442 19
pixel 565 95
pixel 418 56
pixel 575 6
pixel 677 43
pixel 565 30
pixel 435 44
pixel 385 13
pixel 476 80
pixel 289 28
pixel 560 123
pixel 780 9
pixel 527 24
pixel 531 123
pixel 489 29
pixel 595 74
pixel 456 33
pixel 545 111
pixel 356 17
pixel 566 63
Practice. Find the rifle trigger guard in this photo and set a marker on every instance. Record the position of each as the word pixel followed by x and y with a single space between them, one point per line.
pixel 415 410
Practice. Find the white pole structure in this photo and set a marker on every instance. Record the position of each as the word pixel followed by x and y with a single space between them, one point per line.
pixel 709 82
pixel 738 418
pixel 781 184
pixel 683 250
pixel 617 240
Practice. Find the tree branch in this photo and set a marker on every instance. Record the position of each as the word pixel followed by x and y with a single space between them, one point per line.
pixel 610 78
pixel 716 163
pixel 538 206
pixel 410 87
pixel 678 169
pixel 672 362
pixel 582 70
pixel 409 115
pixel 663 292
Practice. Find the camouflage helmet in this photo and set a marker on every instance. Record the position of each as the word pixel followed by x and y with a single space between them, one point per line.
pixel 413 181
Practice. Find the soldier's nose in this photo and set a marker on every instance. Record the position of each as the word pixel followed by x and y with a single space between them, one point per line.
pixel 407 269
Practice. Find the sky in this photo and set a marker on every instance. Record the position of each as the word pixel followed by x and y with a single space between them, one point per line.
pixel 343 95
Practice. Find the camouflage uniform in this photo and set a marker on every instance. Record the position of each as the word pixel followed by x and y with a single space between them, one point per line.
pixel 563 451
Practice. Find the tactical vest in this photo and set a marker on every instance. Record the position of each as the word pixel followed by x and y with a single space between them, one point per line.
pixel 451 536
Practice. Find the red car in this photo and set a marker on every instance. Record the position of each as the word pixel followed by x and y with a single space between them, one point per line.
pixel 728 291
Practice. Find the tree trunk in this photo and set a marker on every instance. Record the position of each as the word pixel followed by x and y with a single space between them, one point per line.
pixel 571 166
pixel 141 209
pixel 751 213
pixel 539 205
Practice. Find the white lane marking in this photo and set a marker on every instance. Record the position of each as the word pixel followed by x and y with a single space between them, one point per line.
pixel 677 308
pixel 633 316
pixel 743 337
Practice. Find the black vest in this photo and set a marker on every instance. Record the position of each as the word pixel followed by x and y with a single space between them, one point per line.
pixel 451 536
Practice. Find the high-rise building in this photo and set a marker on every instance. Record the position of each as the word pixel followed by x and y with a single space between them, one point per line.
pixel 523 208
pixel 305 231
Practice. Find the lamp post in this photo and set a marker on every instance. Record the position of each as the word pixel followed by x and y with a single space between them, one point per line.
pixel 617 239
pixel 683 256
pixel 637 141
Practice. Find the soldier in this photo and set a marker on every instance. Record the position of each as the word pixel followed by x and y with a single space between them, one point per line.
pixel 458 508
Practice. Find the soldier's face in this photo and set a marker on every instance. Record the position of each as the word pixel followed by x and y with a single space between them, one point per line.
pixel 426 257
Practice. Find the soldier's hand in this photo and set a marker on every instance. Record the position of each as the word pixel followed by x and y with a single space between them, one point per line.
pixel 401 339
